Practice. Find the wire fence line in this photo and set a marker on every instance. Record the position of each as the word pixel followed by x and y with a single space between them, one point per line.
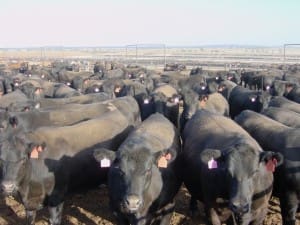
pixel 158 55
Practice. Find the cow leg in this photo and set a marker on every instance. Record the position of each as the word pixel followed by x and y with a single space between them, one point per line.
pixel 56 214
pixel 168 212
pixel 30 216
pixel 289 206
pixel 213 216
pixel 193 206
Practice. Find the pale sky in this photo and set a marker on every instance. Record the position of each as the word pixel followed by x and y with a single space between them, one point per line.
pixel 35 23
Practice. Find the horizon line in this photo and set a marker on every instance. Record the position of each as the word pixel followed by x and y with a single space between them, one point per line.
pixel 154 45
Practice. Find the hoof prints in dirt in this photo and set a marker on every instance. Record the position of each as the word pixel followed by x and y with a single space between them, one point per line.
pixel 92 208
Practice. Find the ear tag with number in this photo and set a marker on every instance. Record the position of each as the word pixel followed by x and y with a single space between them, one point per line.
pixel 104 163
pixel 212 164
pixel 271 164
pixel 162 162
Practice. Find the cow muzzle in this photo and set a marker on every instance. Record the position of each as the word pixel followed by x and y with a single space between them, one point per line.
pixel 8 187
pixel 132 203
pixel 239 209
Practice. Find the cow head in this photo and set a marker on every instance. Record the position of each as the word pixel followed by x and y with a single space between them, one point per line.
pixel 132 172
pixel 15 155
pixel 242 166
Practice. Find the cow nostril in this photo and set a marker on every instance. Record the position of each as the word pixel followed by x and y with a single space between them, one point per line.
pixel 240 209
pixel 132 202
pixel 246 208
pixel 7 187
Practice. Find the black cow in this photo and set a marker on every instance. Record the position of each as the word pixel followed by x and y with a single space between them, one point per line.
pixel 66 115
pixel 292 93
pixel 283 115
pixel 277 137
pixel 225 168
pixel 225 88
pixel 283 102
pixel 192 102
pixel 44 165
pixel 82 99
pixel 242 98
pixel 144 176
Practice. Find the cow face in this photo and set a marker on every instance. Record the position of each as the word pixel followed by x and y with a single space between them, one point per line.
pixel 190 104
pixel 15 154
pixel 242 166
pixel 138 177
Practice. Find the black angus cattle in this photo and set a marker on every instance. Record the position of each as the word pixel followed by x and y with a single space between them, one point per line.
pixel 67 114
pixel 242 98
pixel 144 175
pixel 225 88
pixel 44 165
pixel 279 87
pixel 283 102
pixel 165 100
pixel 214 102
pixel 292 92
pixel 226 169
pixel 283 115
pixel 277 137
pixel 247 79
pixel 82 99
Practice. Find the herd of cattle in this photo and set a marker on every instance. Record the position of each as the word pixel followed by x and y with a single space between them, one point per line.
pixel 231 137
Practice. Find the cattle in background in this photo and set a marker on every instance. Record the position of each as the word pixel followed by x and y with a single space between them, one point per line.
pixel 67 114
pixel 242 98
pixel 233 76
pixel 225 88
pixel 284 116
pixel 279 87
pixel 66 77
pixel 196 71
pixel 283 102
pixel 226 169
pixel 292 92
pixel 192 102
pixel 144 174
pixel 247 79
pixel 43 165
pixel 277 137
pixel 263 80
pixel 46 103
pixel 165 100
pixel 13 98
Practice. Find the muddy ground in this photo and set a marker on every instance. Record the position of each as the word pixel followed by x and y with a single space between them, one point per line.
pixel 92 208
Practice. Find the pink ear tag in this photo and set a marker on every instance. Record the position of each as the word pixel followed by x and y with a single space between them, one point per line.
pixel 34 154
pixel 271 164
pixel 212 164
pixel 104 163
pixel 162 162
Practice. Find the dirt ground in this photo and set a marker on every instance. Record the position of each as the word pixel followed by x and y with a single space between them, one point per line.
pixel 92 208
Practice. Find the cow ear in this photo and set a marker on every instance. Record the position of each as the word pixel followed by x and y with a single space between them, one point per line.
pixel 104 156
pixel 271 159
pixel 164 158
pixel 34 150
pixel 13 121
pixel 252 98
pixel 210 157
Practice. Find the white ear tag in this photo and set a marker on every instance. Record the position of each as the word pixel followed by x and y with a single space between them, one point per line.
pixel 212 164
pixel 146 101
pixel 105 163
pixel 252 99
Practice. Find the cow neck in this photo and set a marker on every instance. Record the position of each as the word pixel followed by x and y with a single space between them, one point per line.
pixel 26 179
pixel 262 193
